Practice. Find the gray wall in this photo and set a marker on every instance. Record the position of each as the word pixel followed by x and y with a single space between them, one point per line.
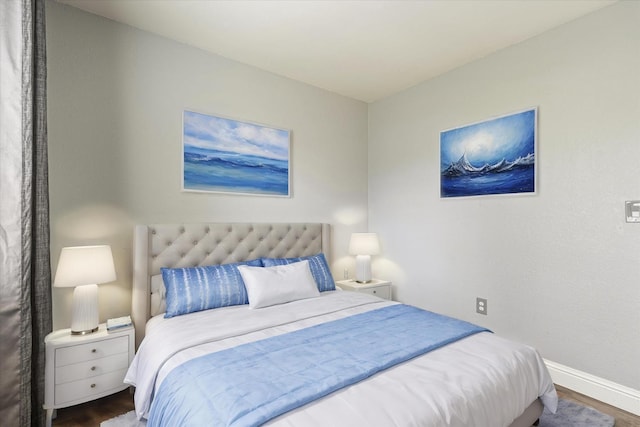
pixel 116 97
pixel 561 269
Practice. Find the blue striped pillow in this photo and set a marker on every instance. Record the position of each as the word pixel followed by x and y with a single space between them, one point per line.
pixel 318 265
pixel 202 288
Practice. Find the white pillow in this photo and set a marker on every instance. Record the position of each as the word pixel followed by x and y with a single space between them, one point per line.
pixel 278 284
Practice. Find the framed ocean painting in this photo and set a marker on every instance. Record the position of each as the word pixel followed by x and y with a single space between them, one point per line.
pixel 496 156
pixel 223 155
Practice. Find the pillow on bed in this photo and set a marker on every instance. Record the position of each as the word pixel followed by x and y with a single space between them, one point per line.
pixel 317 264
pixel 202 288
pixel 278 284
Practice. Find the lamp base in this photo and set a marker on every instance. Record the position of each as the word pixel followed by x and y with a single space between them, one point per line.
pixel 87 332
pixel 363 268
pixel 84 317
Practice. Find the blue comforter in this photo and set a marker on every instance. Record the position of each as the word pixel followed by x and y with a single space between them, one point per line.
pixel 255 382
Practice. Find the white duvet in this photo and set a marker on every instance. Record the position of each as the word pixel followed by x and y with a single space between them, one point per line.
pixel 483 380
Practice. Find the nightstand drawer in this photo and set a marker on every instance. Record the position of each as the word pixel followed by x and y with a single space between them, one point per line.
pixel 91 351
pixel 91 368
pixel 380 291
pixel 86 388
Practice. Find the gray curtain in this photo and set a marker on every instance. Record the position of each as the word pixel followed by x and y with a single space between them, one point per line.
pixel 25 271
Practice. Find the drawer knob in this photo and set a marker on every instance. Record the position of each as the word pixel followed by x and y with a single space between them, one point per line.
pixel 93 386
pixel 375 291
pixel 93 350
pixel 93 368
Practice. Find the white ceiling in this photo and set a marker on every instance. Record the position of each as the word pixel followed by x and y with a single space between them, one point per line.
pixel 365 50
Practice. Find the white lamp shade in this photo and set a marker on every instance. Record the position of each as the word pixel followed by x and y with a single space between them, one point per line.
pixel 364 244
pixel 85 265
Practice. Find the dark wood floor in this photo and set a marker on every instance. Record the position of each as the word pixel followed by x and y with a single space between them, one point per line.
pixel 91 414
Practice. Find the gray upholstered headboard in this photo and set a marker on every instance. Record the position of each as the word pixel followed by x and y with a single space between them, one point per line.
pixel 191 245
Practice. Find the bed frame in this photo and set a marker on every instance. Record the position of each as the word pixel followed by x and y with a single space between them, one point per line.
pixel 192 245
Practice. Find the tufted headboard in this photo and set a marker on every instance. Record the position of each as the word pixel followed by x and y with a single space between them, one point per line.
pixel 191 245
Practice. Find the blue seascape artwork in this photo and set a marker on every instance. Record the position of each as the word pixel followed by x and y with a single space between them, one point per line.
pixel 230 156
pixel 497 156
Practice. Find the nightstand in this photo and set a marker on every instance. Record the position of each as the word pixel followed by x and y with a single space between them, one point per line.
pixel 79 368
pixel 379 288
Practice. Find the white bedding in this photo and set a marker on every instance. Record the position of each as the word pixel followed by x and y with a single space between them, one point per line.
pixel 483 380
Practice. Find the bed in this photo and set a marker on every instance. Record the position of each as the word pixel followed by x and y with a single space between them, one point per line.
pixel 476 379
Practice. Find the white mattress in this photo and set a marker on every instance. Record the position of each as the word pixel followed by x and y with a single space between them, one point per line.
pixel 483 380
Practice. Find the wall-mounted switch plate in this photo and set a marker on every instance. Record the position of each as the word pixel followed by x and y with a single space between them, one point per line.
pixel 632 210
pixel 481 305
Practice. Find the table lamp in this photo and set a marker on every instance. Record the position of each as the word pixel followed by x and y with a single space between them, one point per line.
pixel 363 245
pixel 84 267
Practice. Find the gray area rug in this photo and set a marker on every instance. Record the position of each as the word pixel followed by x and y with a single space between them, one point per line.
pixel 569 414
pixel 125 420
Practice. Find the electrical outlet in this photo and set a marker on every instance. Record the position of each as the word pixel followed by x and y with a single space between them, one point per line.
pixel 632 210
pixel 481 306
pixel 346 274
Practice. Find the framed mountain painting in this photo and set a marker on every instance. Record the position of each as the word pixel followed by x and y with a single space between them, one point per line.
pixel 223 155
pixel 496 156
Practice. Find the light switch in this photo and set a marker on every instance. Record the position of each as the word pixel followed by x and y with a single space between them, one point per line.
pixel 632 210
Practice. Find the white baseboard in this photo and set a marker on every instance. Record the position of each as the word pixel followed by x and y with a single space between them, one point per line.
pixel 598 388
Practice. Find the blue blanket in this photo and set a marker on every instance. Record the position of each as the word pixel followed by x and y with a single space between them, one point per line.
pixel 253 383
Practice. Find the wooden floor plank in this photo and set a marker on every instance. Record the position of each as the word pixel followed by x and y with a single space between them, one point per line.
pixel 91 414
